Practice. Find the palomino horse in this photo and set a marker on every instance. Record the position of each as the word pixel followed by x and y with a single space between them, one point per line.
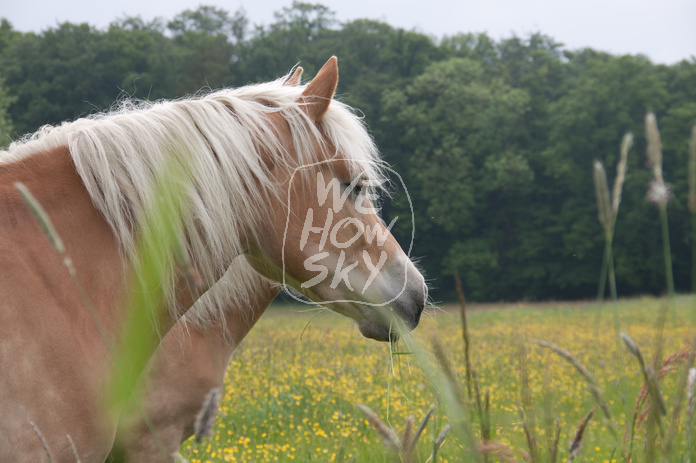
pixel 257 159
pixel 189 363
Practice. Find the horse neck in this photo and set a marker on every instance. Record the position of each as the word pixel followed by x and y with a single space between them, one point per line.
pixel 221 339
pixel 239 320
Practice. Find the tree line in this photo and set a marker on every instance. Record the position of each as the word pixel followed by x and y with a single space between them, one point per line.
pixel 494 139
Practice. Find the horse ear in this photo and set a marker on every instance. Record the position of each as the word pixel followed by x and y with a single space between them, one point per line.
pixel 320 91
pixel 295 79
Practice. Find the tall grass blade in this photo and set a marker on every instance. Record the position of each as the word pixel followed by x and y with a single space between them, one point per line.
pixel 689 427
pixel 439 441
pixel 42 217
pixel 626 145
pixel 608 210
pixel 157 241
pixel 406 442
pixel 472 385
pixel 450 394
pixel 525 408
pixel 604 210
pixel 658 407
pixel 421 427
pixel 692 204
pixel 604 214
pixel 592 386
pixel 576 442
pixel 648 374
pixel 529 434
pixel 43 441
pixel 589 379
pixel 390 437
pixel 465 330
pixel 659 193
pixel 553 450
pixel 74 449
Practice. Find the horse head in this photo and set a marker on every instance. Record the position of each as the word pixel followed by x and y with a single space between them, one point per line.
pixel 323 236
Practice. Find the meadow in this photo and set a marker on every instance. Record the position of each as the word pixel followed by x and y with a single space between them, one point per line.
pixel 292 387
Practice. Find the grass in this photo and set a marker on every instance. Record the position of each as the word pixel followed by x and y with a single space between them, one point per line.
pixel 292 399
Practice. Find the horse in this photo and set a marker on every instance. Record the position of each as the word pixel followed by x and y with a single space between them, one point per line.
pixel 188 365
pixel 257 159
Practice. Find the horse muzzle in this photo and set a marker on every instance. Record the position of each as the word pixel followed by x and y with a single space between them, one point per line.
pixel 386 323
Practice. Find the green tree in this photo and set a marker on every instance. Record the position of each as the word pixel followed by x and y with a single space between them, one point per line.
pixel 603 98
pixel 7 36
pixel 465 167
pixel 203 50
pixel 55 76
pixel 298 35
pixel 6 129
pixel 675 126
pixel 137 58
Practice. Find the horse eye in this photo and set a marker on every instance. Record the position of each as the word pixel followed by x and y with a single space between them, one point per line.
pixel 356 188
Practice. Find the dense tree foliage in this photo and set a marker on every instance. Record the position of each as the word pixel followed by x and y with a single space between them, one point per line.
pixel 495 140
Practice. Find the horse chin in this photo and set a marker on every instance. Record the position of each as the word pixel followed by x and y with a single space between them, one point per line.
pixel 376 331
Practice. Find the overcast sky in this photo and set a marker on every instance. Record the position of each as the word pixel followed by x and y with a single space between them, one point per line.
pixel 664 30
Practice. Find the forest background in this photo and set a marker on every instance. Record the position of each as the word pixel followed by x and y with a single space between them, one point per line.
pixel 495 140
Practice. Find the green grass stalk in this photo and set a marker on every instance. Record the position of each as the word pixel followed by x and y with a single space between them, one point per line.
pixel 692 204
pixel 689 428
pixel 482 406
pixel 659 193
pixel 604 215
pixel 158 241
pixel 608 209
pixel 592 386
pixel 465 329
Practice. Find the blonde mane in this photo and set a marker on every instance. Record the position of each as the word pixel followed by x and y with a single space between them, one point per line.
pixel 218 136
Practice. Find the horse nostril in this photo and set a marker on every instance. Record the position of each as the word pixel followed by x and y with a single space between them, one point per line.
pixel 410 312
pixel 417 315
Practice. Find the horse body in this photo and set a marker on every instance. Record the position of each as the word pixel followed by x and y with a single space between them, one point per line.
pixel 53 366
pixel 96 177
pixel 189 363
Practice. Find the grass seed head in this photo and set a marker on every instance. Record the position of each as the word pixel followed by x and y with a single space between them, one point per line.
pixel 576 443
pixel 390 437
pixel 691 382
pixel 654 152
pixel 602 193
pixel 40 214
pixel 626 145
pixel 631 345
pixel 443 434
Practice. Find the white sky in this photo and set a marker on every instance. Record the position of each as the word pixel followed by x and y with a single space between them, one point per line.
pixel 664 30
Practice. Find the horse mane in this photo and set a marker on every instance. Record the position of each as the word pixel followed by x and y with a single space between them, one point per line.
pixel 120 153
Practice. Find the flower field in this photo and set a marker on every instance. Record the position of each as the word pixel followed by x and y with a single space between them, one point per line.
pixel 292 386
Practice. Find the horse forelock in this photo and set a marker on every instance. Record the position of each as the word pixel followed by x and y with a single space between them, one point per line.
pixel 120 153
